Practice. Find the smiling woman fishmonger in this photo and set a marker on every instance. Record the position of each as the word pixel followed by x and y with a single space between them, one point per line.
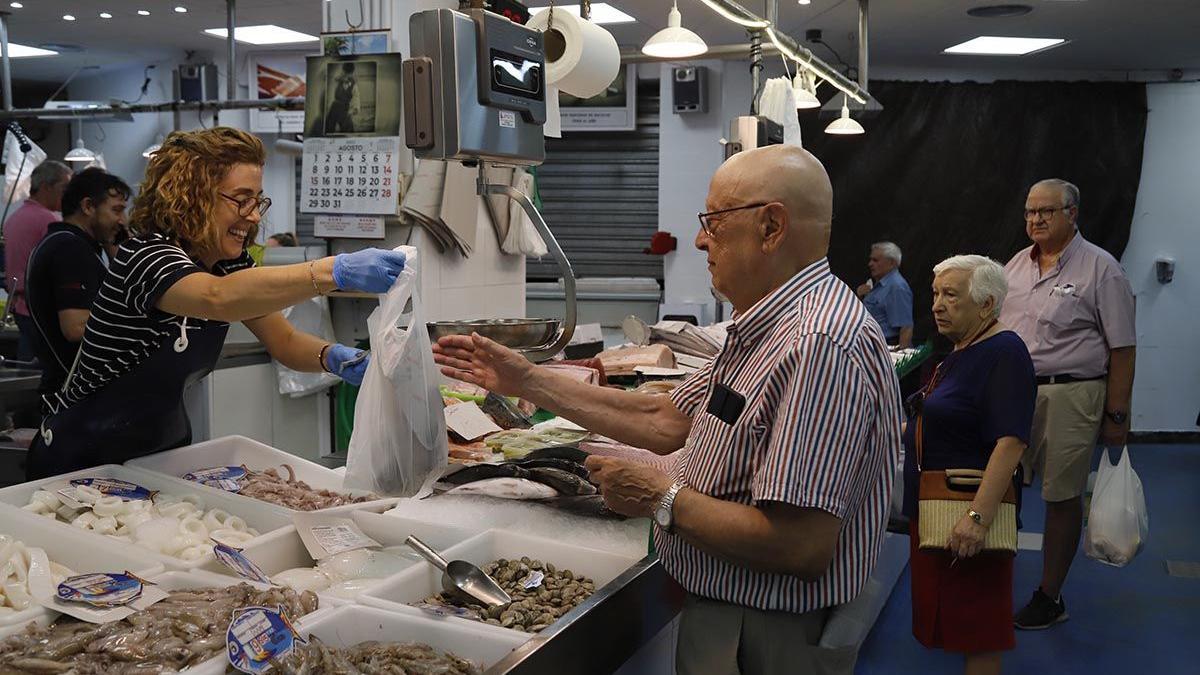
pixel 164 308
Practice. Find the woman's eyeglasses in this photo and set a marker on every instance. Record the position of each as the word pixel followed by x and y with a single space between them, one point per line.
pixel 247 205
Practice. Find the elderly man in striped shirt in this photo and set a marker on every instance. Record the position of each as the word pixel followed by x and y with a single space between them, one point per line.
pixel 786 442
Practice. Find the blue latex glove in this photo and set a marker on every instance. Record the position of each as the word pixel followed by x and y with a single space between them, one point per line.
pixel 371 270
pixel 340 360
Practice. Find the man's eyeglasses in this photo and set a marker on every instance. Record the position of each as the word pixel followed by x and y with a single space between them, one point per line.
pixel 247 205
pixel 1046 213
pixel 707 218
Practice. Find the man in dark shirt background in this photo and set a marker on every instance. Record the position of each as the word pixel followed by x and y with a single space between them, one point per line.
pixel 66 269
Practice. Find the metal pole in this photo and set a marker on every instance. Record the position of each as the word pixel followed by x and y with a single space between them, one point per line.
pixel 5 73
pixel 294 103
pixel 231 76
pixel 756 67
pixel 863 25
pixel 797 51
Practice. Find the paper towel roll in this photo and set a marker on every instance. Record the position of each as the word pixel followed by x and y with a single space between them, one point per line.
pixel 582 58
pixel 553 126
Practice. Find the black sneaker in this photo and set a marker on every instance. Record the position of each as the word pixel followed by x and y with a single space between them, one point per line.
pixel 1041 612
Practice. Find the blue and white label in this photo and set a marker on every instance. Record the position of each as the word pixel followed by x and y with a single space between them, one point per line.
pixel 534 580
pixel 447 610
pixel 101 590
pixel 257 635
pixel 227 478
pixel 234 559
pixel 113 487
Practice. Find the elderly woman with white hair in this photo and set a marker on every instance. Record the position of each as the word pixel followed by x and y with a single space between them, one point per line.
pixel 965 435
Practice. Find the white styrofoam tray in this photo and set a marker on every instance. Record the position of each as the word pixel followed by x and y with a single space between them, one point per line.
pixel 97 556
pixel 176 581
pixel 239 450
pixel 346 626
pixel 417 583
pixel 283 549
pixel 258 515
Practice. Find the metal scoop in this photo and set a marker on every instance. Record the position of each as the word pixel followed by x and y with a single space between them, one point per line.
pixel 462 578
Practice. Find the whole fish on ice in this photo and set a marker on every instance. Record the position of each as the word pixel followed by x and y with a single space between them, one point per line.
pixel 507 488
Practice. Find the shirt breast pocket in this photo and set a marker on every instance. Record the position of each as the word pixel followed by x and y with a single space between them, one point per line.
pixel 1065 310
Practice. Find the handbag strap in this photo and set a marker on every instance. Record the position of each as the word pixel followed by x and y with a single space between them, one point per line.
pixel 919 433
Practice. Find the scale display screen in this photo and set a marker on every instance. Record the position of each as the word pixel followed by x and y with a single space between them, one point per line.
pixel 513 74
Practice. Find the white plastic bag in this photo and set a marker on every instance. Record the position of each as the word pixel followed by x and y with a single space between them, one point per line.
pixel 310 316
pixel 399 435
pixel 14 182
pixel 1118 522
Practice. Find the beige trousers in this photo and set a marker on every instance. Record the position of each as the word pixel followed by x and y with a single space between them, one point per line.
pixel 1066 423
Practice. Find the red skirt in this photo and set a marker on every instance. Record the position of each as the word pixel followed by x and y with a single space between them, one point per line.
pixel 966 607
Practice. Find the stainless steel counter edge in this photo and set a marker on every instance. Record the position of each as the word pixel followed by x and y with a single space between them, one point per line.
pixel 239 356
pixel 606 630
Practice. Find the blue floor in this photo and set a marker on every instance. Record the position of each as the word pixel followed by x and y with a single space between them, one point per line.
pixel 1136 619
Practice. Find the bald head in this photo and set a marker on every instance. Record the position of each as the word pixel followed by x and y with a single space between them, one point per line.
pixel 785 174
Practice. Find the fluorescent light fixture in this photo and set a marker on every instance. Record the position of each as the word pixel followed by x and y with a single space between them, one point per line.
pixel 845 125
pixel 806 2
pixel 143 12
pixel 181 10
pixel 105 15
pixel 17 51
pixel 674 41
pixel 269 34
pixel 68 17
pixel 1004 46
pixel 602 13
pixel 15 5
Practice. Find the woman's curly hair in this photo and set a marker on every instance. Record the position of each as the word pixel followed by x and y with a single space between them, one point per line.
pixel 180 189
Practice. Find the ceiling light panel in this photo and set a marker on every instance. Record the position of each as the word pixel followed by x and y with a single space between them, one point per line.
pixel 17 51
pixel 269 34
pixel 602 12
pixel 989 45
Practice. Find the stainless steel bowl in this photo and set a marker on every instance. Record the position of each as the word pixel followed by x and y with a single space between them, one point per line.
pixel 512 333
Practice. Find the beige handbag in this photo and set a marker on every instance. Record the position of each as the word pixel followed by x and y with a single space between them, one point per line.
pixel 944 497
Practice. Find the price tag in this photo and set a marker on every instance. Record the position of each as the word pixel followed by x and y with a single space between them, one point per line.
pixel 353 176
pixel 324 535
pixel 534 580
pixel 112 487
pixel 447 610
pixel 467 420
pixel 227 478
pixel 101 590
pixel 241 565
pixel 256 636
pixel 341 538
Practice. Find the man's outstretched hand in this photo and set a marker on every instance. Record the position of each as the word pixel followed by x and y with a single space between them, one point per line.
pixel 483 363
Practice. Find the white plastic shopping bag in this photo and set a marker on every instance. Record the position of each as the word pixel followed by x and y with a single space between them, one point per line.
pixel 312 317
pixel 1118 522
pixel 399 435
pixel 18 167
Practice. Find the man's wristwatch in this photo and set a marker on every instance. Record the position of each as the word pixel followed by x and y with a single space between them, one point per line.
pixel 975 516
pixel 663 514
pixel 1117 416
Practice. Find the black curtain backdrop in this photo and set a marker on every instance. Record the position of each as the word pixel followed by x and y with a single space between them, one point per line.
pixel 945 169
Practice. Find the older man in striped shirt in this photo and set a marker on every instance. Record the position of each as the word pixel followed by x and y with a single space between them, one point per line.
pixel 786 442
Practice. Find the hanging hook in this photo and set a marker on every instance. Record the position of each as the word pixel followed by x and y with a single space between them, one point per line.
pixel 361 18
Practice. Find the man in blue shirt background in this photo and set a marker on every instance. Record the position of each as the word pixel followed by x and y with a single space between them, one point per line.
pixel 887 295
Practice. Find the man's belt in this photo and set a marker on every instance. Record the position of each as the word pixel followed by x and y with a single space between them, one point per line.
pixel 1064 379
